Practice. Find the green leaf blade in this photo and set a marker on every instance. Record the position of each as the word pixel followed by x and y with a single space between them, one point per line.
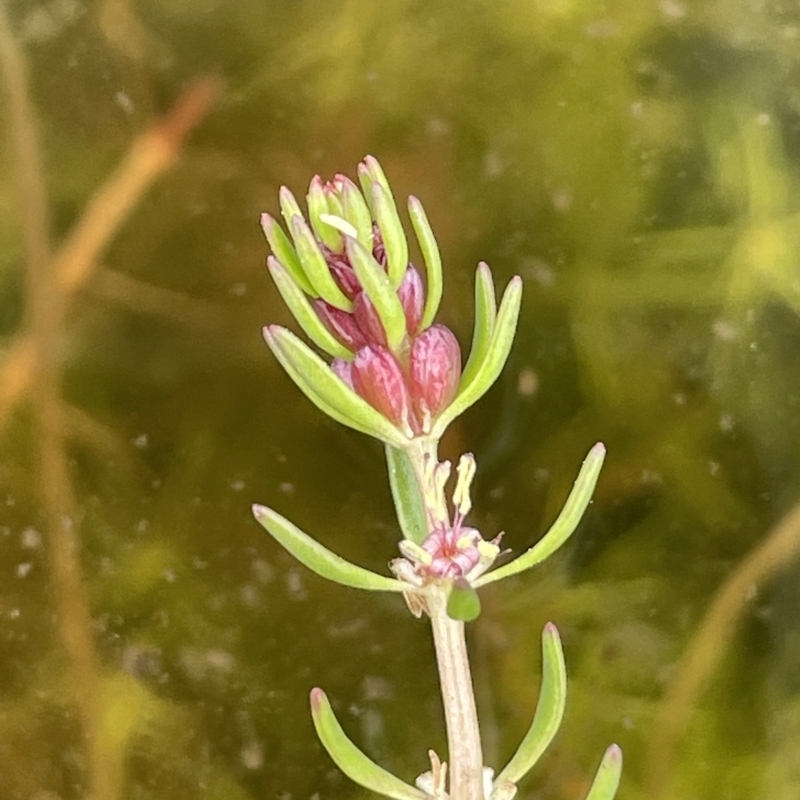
pixel 565 524
pixel 408 500
pixel 350 760
pixel 485 317
pixel 302 310
pixel 326 390
pixel 319 559
pixel 549 709
pixel 432 258
pixel 375 282
pixel 606 781
pixel 487 372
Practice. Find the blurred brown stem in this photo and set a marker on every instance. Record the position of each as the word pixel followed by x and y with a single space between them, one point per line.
pixel 31 365
pixel 710 641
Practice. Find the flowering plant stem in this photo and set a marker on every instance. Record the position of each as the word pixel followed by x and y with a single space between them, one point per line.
pixel 461 717
pixel 397 375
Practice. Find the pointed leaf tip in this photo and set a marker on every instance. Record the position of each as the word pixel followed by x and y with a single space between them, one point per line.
pixel 350 760
pixel 606 781
pixel 319 559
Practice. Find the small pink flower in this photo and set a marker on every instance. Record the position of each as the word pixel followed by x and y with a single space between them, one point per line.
pixel 453 550
pixel 377 377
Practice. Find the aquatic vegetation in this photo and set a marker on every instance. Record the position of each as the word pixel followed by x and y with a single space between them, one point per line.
pixel 396 375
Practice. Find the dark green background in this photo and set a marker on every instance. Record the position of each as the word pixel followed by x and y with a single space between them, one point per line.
pixel 637 163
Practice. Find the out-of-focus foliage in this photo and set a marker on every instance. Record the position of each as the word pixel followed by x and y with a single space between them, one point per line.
pixel 637 163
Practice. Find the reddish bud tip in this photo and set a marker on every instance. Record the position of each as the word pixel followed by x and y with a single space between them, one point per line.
pixel 343 370
pixel 377 377
pixel 412 296
pixel 435 369
pixel 341 324
pixel 368 320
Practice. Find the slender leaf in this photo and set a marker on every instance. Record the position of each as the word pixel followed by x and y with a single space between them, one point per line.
pixel 327 391
pixel 317 208
pixel 408 502
pixel 565 523
pixel 289 206
pixel 319 559
pixel 350 760
pixel 285 253
pixel 432 259
pixel 375 282
pixel 549 709
pixel 394 237
pixel 303 311
pixel 606 782
pixel 485 316
pixel 315 265
pixel 463 603
pixel 356 211
pixel 494 360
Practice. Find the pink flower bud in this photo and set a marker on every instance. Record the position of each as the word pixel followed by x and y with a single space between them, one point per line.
pixel 343 273
pixel 435 369
pixel 368 320
pixel 378 247
pixel 343 369
pixel 377 377
pixel 341 324
pixel 412 296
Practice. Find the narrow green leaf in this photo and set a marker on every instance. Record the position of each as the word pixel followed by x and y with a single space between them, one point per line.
pixel 318 205
pixel 408 502
pixel 394 237
pixel 326 390
pixel 432 259
pixel 375 282
pixel 319 559
pixel 303 311
pixel 350 760
pixel 463 603
pixel 565 523
pixel 289 206
pixel 371 173
pixel 356 211
pixel 487 371
pixel 485 316
pixel 315 266
pixel 606 782
pixel 284 251
pixel 549 709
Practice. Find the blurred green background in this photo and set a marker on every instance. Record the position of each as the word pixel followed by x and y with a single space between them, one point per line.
pixel 637 163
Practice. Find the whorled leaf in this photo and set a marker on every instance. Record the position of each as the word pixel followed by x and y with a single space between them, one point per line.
pixel 375 282
pixel 408 501
pixel 315 266
pixel 487 371
pixel 350 760
pixel 303 311
pixel 394 237
pixel 326 390
pixel 284 251
pixel 319 559
pixel 565 523
pixel 606 781
pixel 463 603
pixel 485 316
pixel 549 709
pixel 432 259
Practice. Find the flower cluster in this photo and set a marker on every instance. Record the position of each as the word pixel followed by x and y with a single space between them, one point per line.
pixel 346 276
pixel 372 300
